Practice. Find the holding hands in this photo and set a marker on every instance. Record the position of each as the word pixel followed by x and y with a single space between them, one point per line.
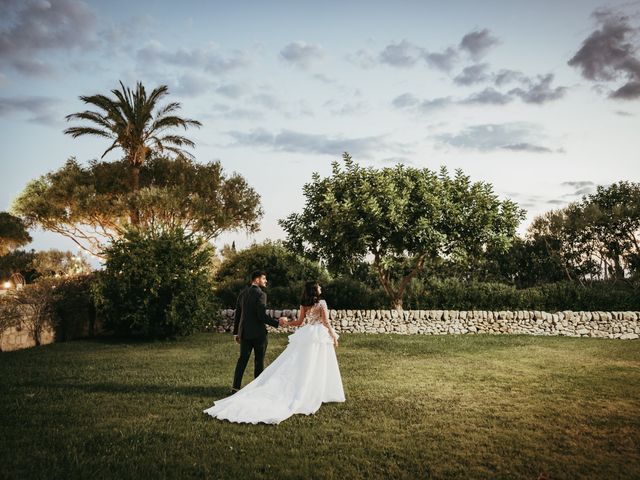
pixel 283 322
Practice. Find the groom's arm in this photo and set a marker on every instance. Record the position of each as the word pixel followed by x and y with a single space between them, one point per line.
pixel 237 314
pixel 261 308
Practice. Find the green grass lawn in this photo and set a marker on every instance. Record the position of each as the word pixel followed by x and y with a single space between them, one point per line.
pixel 417 407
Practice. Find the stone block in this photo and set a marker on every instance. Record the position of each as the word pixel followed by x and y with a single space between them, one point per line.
pixel 628 336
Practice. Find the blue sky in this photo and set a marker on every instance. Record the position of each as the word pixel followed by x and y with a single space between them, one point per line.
pixel 541 99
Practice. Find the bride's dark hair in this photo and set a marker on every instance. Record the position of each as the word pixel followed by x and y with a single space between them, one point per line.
pixel 310 294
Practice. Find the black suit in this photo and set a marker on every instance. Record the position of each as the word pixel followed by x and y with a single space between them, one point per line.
pixel 250 325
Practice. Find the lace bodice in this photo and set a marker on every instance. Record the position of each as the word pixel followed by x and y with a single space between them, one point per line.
pixel 314 314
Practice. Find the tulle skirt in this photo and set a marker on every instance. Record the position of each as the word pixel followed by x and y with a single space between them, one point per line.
pixel 299 380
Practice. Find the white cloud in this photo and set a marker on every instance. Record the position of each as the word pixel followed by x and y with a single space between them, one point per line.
pixel 301 54
pixel 517 136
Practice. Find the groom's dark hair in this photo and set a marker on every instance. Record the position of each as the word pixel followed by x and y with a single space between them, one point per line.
pixel 257 274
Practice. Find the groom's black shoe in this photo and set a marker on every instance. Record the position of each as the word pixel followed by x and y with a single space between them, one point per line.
pixel 233 390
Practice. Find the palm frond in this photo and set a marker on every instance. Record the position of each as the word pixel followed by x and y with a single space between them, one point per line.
pixel 170 107
pixel 125 102
pixel 100 101
pixel 158 93
pixel 93 117
pixel 78 131
pixel 172 121
pixel 114 145
pixel 109 105
pixel 177 140
pixel 180 152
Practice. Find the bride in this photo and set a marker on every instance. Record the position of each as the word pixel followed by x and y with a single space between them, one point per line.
pixel 304 375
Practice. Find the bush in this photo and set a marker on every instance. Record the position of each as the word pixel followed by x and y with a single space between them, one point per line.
pixel 65 303
pixel 227 291
pixel 594 296
pixel 74 307
pixel 347 293
pixel 340 293
pixel 455 294
pixel 287 296
pixel 31 306
pixel 452 293
pixel 286 273
pixel 155 285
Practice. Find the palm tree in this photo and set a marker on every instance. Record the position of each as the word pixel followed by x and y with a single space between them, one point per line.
pixel 130 121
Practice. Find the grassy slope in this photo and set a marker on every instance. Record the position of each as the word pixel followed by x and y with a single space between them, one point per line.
pixel 417 407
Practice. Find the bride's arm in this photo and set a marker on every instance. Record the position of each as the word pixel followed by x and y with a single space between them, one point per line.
pixel 301 314
pixel 325 321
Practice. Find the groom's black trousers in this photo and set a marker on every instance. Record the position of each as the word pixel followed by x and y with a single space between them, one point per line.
pixel 259 347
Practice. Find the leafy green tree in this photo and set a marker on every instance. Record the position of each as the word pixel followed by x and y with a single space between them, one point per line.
pixel 595 237
pixel 135 123
pixel 400 218
pixel 13 233
pixel 155 284
pixel 611 218
pixel 560 232
pixel 91 204
pixel 525 264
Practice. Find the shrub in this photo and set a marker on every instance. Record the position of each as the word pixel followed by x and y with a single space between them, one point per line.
pixel 347 293
pixel 456 294
pixel 64 303
pixel 594 296
pixel 155 285
pixel 74 307
pixel 452 293
pixel 227 291
pixel 31 306
pixel 287 296
pixel 286 273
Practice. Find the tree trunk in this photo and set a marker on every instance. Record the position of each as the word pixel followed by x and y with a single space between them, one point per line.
pixel 135 178
pixel 396 294
pixel 397 303
pixel 37 329
pixel 618 270
pixel 135 186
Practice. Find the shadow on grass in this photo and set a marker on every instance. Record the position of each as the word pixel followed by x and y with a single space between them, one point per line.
pixel 214 392
pixel 439 346
pixel 109 339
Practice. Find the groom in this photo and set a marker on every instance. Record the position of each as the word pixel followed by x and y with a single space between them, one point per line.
pixel 249 328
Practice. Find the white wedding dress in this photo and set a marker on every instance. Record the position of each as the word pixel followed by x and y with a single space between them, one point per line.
pixel 304 375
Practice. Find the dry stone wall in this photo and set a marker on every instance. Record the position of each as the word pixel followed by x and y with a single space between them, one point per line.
pixel 19 336
pixel 622 325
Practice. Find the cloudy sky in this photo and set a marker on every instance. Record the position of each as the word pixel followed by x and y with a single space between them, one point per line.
pixel 539 98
